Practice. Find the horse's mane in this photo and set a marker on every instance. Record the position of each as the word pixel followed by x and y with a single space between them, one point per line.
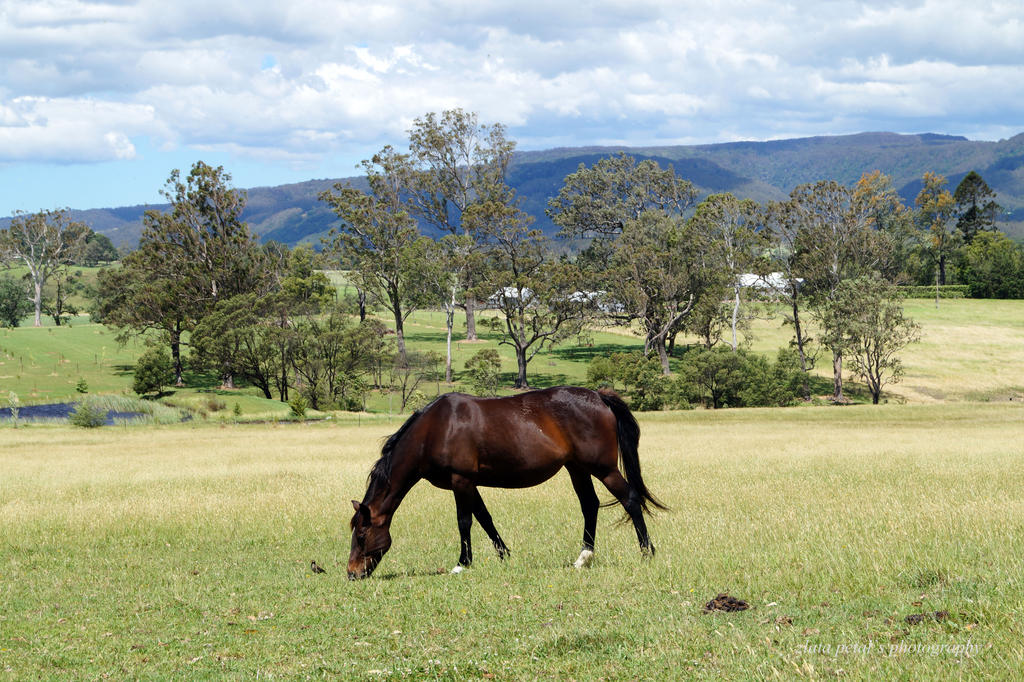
pixel 379 479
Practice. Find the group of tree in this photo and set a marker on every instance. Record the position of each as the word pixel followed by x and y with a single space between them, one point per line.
pixel 438 226
pixel 47 244
pixel 263 314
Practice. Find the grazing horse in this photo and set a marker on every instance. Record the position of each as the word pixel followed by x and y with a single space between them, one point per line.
pixel 459 442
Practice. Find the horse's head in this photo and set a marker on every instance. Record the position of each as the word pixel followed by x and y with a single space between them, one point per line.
pixel 369 542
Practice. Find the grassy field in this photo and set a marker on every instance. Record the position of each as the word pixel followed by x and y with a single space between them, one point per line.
pixel 184 551
pixel 970 350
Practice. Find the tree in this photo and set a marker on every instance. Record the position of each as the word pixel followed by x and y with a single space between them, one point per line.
pixel 46 242
pixel 975 208
pixel 727 226
pixel 153 371
pixel 993 266
pixel 454 163
pixel 98 249
pixel 57 298
pixel 448 262
pixel 535 296
pixel 14 302
pixel 237 339
pixel 598 201
pixel 381 237
pixel 332 356
pixel 866 319
pixel 894 240
pixel 189 258
pixel 835 242
pixel 787 258
pixel 657 278
pixel 935 207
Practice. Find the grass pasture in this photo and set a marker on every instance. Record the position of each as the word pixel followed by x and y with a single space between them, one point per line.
pixel 183 551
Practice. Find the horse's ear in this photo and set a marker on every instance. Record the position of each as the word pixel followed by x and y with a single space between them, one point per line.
pixel 355 505
pixel 361 508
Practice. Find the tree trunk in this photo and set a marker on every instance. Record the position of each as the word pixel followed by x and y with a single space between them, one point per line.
pixel 663 356
pixel 396 308
pixel 37 301
pixel 800 349
pixel 449 314
pixel 735 314
pixel 521 381
pixel 942 268
pixel 837 376
pixel 176 355
pixel 470 319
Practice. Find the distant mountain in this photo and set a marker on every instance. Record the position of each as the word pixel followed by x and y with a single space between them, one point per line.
pixel 758 170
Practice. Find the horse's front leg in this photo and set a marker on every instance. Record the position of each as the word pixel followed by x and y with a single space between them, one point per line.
pixel 465 503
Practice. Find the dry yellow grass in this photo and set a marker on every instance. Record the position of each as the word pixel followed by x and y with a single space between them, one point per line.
pixel 184 551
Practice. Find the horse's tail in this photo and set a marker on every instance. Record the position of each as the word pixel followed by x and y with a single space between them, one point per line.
pixel 628 432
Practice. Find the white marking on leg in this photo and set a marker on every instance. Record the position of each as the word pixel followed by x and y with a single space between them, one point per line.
pixel 584 558
pixel 458 569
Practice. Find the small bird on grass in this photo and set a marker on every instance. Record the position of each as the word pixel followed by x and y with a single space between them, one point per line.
pixel 315 567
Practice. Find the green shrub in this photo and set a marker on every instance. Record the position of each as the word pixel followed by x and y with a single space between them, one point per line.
pixel 88 414
pixel 484 370
pixel 298 405
pixel 601 372
pixel 215 404
pixel 945 291
pixel 82 386
pixel 153 371
pixel 14 303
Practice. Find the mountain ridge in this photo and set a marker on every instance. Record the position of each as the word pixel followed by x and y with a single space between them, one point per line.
pixel 292 214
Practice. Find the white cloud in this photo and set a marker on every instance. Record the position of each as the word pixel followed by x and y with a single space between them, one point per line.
pixel 82 79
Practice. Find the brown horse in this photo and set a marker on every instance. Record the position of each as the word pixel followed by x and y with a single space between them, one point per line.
pixel 459 442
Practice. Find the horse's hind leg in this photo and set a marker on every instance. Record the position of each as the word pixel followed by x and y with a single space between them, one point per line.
pixel 630 500
pixel 484 517
pixel 583 484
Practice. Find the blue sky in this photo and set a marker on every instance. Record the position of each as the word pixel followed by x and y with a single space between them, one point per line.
pixel 100 99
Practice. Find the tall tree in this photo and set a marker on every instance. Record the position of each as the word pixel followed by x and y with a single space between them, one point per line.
pixel 448 261
pixel 456 162
pixel 46 242
pixel 975 206
pixel 380 235
pixel 534 295
pixel 657 277
pixel 865 318
pixel 189 259
pixel 836 243
pixel 727 226
pixel 787 258
pixel 597 201
pixel 935 206
pixel 875 196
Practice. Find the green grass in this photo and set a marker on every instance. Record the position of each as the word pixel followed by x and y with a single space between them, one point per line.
pixel 970 350
pixel 184 552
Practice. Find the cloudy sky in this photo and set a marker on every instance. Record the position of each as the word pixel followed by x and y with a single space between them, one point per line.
pixel 100 99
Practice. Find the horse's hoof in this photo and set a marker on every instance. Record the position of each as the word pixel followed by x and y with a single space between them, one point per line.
pixel 647 553
pixel 458 569
pixel 584 559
